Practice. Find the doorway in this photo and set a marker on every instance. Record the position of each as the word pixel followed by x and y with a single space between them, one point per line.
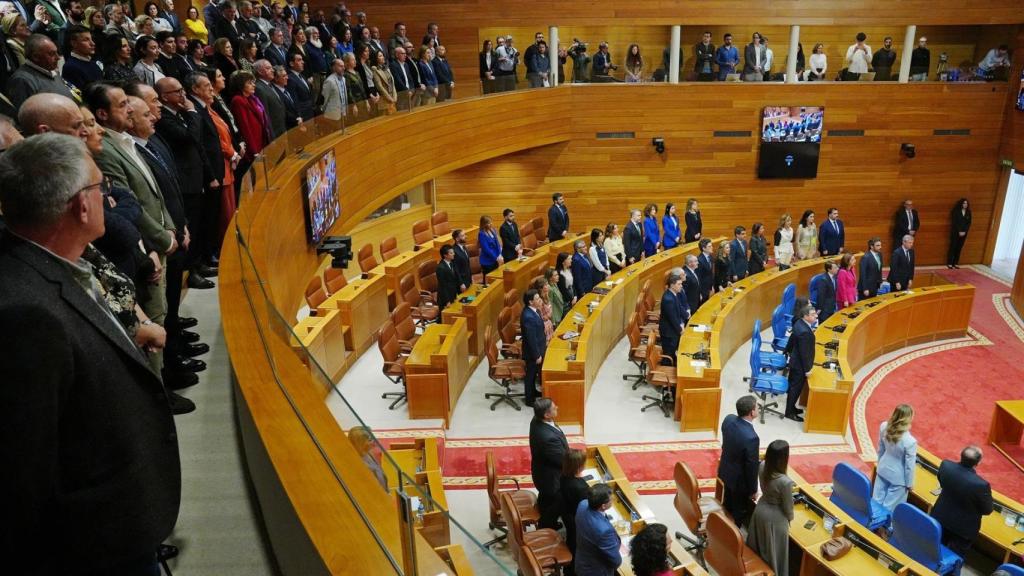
pixel 1011 229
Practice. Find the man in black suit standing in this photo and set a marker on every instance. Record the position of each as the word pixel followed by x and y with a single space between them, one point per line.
pixel 298 88
pixel 905 222
pixel 269 97
pixel 691 283
pixel 738 254
pixel 558 218
pixel 870 278
pixel 447 279
pixel 462 268
pixel 90 446
pixel 511 243
pixel 405 76
pixel 801 359
pixel 965 498
pixel 534 342
pixel 198 83
pixel 291 112
pixel 672 318
pixel 548 447
pixel 737 467
pixel 901 267
pixel 705 268
pixel 633 238
pixel 826 291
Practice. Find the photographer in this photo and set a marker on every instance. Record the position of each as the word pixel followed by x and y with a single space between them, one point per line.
pixel 580 60
pixel 505 72
pixel 603 65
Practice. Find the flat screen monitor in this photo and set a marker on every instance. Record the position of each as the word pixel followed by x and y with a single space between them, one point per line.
pixel 1020 93
pixel 321 199
pixel 790 141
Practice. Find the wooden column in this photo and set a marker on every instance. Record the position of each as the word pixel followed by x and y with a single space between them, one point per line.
pixel 1017 293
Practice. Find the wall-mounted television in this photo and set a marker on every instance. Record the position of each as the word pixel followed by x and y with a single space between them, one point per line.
pixel 1020 93
pixel 790 141
pixel 320 197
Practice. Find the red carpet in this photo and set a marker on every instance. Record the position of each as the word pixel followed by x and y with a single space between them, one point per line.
pixel 952 392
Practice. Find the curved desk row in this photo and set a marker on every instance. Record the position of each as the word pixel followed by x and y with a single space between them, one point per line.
pixel 571 365
pixel 872 328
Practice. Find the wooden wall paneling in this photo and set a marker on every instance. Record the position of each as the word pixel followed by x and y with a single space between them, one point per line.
pixel 864 176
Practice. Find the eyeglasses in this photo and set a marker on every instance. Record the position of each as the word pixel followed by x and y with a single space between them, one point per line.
pixel 104 186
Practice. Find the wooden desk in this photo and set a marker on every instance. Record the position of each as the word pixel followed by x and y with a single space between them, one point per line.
pixel 405 263
pixel 1006 429
pixel 437 370
pixel 481 312
pixel 602 465
pixel 996 537
pixel 859 561
pixel 411 458
pixel 323 337
pixel 570 367
pixel 436 243
pixel 727 320
pixel 363 305
pixel 882 324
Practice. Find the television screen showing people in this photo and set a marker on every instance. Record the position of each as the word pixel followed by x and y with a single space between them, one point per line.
pixel 790 141
pixel 323 205
pixel 1020 93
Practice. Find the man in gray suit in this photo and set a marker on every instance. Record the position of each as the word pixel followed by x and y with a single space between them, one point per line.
pixel 270 97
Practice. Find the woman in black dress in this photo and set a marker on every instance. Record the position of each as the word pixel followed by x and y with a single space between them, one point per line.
pixel 573 489
pixel 758 249
pixel 694 226
pixel 723 267
pixel 961 217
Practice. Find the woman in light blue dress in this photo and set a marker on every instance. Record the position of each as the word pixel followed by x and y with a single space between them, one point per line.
pixel 897 459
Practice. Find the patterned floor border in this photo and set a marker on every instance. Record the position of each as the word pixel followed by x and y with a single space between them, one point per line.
pixel 1001 303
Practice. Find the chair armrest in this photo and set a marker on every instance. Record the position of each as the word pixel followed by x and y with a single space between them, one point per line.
pixel 509 479
pixel 670 359
pixel 395 364
pixel 427 296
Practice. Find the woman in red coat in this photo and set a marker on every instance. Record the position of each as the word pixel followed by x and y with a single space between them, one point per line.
pixel 250 117
pixel 846 282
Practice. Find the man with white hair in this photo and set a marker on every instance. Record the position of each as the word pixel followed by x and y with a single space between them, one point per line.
pixel 90 446
pixel 269 97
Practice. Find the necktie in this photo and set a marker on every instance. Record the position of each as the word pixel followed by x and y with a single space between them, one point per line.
pixel 149 148
pixel 910 220
pixel 835 224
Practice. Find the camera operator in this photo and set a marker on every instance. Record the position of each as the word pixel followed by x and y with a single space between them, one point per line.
pixel 603 65
pixel 580 61
pixel 508 58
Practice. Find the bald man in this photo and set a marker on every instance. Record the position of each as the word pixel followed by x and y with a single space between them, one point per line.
pixel 49 112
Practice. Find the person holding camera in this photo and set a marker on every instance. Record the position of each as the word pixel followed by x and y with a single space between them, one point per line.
pixel 580 61
pixel 603 65
pixel 508 58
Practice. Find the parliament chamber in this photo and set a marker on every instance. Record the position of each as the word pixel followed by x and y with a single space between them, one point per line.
pixel 312 353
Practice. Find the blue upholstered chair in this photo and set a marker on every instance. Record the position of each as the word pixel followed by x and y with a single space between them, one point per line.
pixel 812 289
pixel 1013 569
pixel 769 359
pixel 919 536
pixel 851 491
pixel 780 329
pixel 788 301
pixel 766 383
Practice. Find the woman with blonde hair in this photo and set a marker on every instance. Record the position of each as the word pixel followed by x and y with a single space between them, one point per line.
pixel 554 296
pixel 784 241
pixel 546 309
pixel 613 248
pixel 897 459
pixel 362 440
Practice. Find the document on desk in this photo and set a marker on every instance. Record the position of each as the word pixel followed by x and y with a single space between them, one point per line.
pixel 699 328
pixel 698 363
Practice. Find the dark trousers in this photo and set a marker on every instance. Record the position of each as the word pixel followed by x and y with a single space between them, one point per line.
pixel 196 215
pixel 797 381
pixel 532 378
pixel 487 269
pixel 145 565
pixel 669 345
pixel 737 505
pixel 550 506
pixel 956 244
pixel 211 225
pixel 705 77
pixel 175 271
pixel 956 543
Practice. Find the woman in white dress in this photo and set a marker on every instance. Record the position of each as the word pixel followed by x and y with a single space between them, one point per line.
pixel 807 237
pixel 784 241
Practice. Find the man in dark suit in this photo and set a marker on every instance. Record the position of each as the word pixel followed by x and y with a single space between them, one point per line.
pixel 276 52
pixel 269 97
pixel 548 447
pixel 633 238
pixel 737 467
pixel 558 218
pixel 597 543
pixel 801 358
pixel 582 270
pixel 901 265
pixel 705 268
pixel 462 267
pixel 738 254
pixel 534 342
pixel 227 25
pixel 447 280
pixel 90 446
pixel 291 112
pixel 298 88
pixel 826 292
pixel 406 77
pixel 905 222
pixel 832 234
pixel 691 283
pixel 870 278
pixel 169 65
pixel 965 498
pixel 511 243
pixel 672 317
pixel 213 169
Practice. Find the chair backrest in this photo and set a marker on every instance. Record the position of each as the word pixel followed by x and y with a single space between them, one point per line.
pixel 539 232
pixel 389 248
pixel 633 331
pixel 917 535
pixel 366 259
pixel 755 363
pixel 789 296
pixel 492 489
pixel 334 280
pixel 421 232
pixel 528 564
pixel 401 316
pixel 529 240
pixel 511 297
pixel 724 553
pixel 851 491
pixel 1012 569
pixel 439 223
pixel 649 300
pixel 687 500
pixel 387 342
pixel 315 294
pixel 506 325
pixel 407 288
pixel 427 272
pixel 526 230
pixel 755 338
pixel 779 324
pixel 491 348
pixel 513 522
pixel 812 288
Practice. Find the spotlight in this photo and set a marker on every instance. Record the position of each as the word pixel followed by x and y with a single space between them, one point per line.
pixel 659 145
pixel 908 150
pixel 340 249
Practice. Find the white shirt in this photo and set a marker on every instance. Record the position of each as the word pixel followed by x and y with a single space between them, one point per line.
pixel 857 62
pixel 819 62
pixel 768 57
pixel 595 259
pixel 993 59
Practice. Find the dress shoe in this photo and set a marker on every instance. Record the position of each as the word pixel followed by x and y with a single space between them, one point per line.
pixel 190 337
pixel 214 260
pixel 795 417
pixel 185 365
pixel 180 404
pixel 185 322
pixel 166 552
pixel 177 380
pixel 207 271
pixel 198 282
pixel 192 350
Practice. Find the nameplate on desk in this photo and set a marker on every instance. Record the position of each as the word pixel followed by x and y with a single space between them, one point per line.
pixel 698 363
pixel 699 328
pixel 570 335
pixel 601 291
